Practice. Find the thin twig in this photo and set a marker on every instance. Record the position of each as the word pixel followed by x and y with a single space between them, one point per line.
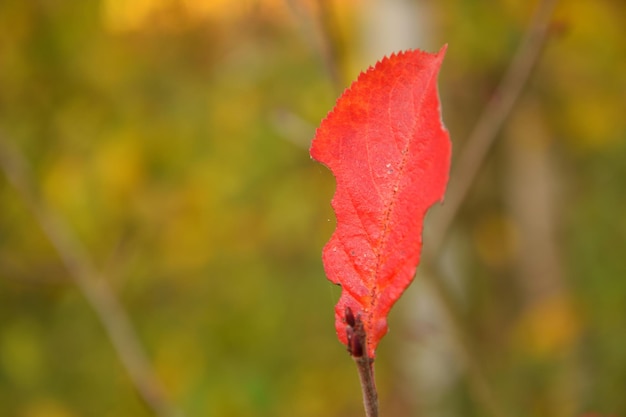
pixel 365 367
pixel 94 288
pixel 491 121
pixel 357 347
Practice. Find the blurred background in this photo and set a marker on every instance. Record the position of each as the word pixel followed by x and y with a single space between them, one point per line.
pixel 170 138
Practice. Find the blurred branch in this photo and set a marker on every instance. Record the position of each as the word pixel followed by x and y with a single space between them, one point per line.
pixel 320 31
pixel 292 128
pixel 491 121
pixel 463 176
pixel 91 284
pixel 478 383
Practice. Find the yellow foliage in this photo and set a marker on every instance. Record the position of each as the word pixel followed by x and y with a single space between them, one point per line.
pixel 45 407
pixel 122 15
pixel 185 235
pixel 64 184
pixel 593 44
pixel 180 361
pixel 119 167
pixel 595 117
pixel 548 327
pixel 130 15
pixel 21 358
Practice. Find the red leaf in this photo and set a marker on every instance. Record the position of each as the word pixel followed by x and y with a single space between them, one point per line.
pixel 390 154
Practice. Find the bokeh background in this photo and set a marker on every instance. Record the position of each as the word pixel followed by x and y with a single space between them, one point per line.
pixel 171 137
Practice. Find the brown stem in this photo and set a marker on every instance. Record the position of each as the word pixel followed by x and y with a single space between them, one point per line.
pixel 357 347
pixel 94 288
pixel 365 367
